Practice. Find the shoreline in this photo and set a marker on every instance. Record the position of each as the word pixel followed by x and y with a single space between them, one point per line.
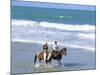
pixel 51 43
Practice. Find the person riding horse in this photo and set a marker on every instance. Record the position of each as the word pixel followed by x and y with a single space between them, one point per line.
pixel 47 56
pixel 55 47
pixel 45 50
pixel 40 56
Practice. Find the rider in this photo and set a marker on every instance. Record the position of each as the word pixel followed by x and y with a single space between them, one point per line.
pixel 45 50
pixel 55 46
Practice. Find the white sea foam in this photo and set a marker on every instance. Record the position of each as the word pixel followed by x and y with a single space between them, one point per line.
pixel 37 65
pixel 87 36
pixel 23 23
pixel 68 27
pixel 51 42
pixel 43 65
pixel 61 16
pixel 35 32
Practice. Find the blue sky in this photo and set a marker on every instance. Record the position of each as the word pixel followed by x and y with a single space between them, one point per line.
pixel 54 5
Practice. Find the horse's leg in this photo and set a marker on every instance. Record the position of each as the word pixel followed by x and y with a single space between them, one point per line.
pixel 35 59
pixel 59 62
pixel 39 61
pixel 48 62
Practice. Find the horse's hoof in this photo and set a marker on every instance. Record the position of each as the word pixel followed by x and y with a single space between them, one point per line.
pixel 46 61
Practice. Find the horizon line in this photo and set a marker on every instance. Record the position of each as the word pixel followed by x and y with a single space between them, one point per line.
pixel 53 5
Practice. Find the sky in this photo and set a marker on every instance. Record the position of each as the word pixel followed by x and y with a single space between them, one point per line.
pixel 53 5
pixel 84 2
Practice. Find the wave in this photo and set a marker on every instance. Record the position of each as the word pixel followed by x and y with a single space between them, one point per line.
pixel 68 27
pixel 60 43
pixel 74 36
pixel 87 36
pixel 61 16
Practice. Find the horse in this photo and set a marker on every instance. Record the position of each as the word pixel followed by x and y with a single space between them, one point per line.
pixel 40 57
pixel 57 55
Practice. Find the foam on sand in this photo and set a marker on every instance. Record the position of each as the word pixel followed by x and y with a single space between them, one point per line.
pixel 51 42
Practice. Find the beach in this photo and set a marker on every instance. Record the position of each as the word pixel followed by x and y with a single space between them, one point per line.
pixel 22 59
pixel 34 24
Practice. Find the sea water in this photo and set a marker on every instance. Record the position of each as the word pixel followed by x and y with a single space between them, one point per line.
pixel 75 27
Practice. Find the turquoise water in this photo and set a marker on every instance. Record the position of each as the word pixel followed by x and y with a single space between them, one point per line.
pixel 68 16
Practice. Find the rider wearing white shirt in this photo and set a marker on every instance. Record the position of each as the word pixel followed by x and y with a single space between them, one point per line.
pixel 55 46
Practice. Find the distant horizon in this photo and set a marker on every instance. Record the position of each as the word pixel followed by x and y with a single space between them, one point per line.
pixel 54 5
pixel 82 2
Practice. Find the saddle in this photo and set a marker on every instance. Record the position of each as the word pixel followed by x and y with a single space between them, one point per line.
pixel 57 52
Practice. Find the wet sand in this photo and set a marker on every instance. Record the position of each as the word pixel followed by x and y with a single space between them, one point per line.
pixel 22 59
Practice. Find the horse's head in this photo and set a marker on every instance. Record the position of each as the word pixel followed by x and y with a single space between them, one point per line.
pixel 64 51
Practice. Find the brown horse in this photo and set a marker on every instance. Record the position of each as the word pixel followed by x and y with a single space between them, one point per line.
pixel 39 56
pixel 56 55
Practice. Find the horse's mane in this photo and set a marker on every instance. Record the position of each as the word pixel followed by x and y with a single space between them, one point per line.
pixel 63 49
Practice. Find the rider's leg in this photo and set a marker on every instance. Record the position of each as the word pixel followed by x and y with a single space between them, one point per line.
pixel 56 53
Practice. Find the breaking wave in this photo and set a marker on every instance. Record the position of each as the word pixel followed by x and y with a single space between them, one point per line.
pixel 68 27
pixel 76 36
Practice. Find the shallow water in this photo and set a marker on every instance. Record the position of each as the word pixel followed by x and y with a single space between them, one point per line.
pixel 22 59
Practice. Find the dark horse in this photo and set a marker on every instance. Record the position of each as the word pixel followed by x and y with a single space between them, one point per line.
pixel 56 55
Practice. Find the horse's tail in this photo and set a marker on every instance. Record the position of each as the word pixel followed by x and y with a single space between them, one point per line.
pixel 35 58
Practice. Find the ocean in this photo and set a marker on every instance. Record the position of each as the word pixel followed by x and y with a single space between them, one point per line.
pixel 72 28
pixel 75 27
